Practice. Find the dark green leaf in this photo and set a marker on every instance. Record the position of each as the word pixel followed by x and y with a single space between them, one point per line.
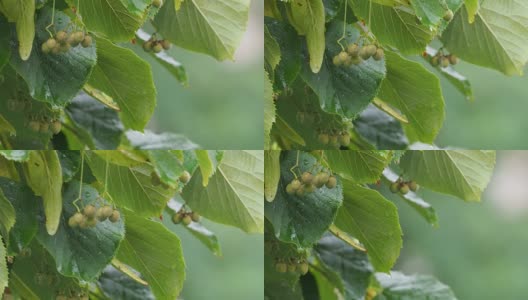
pixel 352 265
pixel 99 123
pixel 118 286
pixel 55 78
pixel 26 208
pixel 78 252
pixel 302 220
pixel 341 89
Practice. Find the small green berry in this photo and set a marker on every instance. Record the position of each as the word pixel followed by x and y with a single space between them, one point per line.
pixel 87 41
pixel 177 218
pixel 303 268
pixel 157 3
pixel 165 44
pixel 332 182
pixel 379 55
pixel 404 189
pixel 89 211
pixel 413 186
pixel 296 184
pixel 453 59
pixel 185 177
pixel 187 219
pixel 157 48
pixel 195 216
pixel 307 178
pixel 323 138
pixel 448 15
pixel 115 216
pixel 395 187
pixel 353 50
pixel 281 267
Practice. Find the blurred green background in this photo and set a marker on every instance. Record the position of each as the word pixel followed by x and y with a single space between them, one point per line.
pixel 479 249
pixel 222 108
pixel 495 120
pixel 237 275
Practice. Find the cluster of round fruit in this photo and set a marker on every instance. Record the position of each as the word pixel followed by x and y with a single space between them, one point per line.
pixel 45 125
pixel 404 186
pixel 355 54
pixel 309 183
pixel 156 180
pixel 91 215
pixel 63 41
pixel 155 45
pixel 185 217
pixel 292 266
pixel 334 138
pixel 444 60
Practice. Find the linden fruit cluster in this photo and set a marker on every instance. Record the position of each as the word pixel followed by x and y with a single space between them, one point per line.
pixel 90 216
pixel 403 187
pixel 63 41
pixel 443 60
pixel 155 45
pixel 185 217
pixel 292 266
pixel 45 125
pixel 334 138
pixel 309 183
pixel 355 54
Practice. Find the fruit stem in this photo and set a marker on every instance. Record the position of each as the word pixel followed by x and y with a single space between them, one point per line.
pixel 52 20
pixel 80 184
pixel 106 176
pixel 295 166
pixel 344 28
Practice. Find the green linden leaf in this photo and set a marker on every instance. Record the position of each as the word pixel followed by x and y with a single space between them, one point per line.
pixel 207 162
pixel 361 166
pixel 22 12
pixel 7 215
pixel 351 264
pixel 214 28
pixel 135 95
pixel 271 173
pixel 272 52
pixel 78 252
pixel 166 165
pixel 269 110
pixel 156 253
pixel 97 125
pixel 472 7
pixel 23 201
pixel 416 92
pixel 430 13
pixel 234 193
pixel 497 39
pixel 373 220
pixel 400 286
pixel 54 78
pixel 380 129
pixel 44 175
pixel 394 25
pixel 70 163
pixel 460 173
pixel 302 220
pixel 117 285
pixel 344 90
pixel 131 187
pixel 117 20
pixel 308 17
